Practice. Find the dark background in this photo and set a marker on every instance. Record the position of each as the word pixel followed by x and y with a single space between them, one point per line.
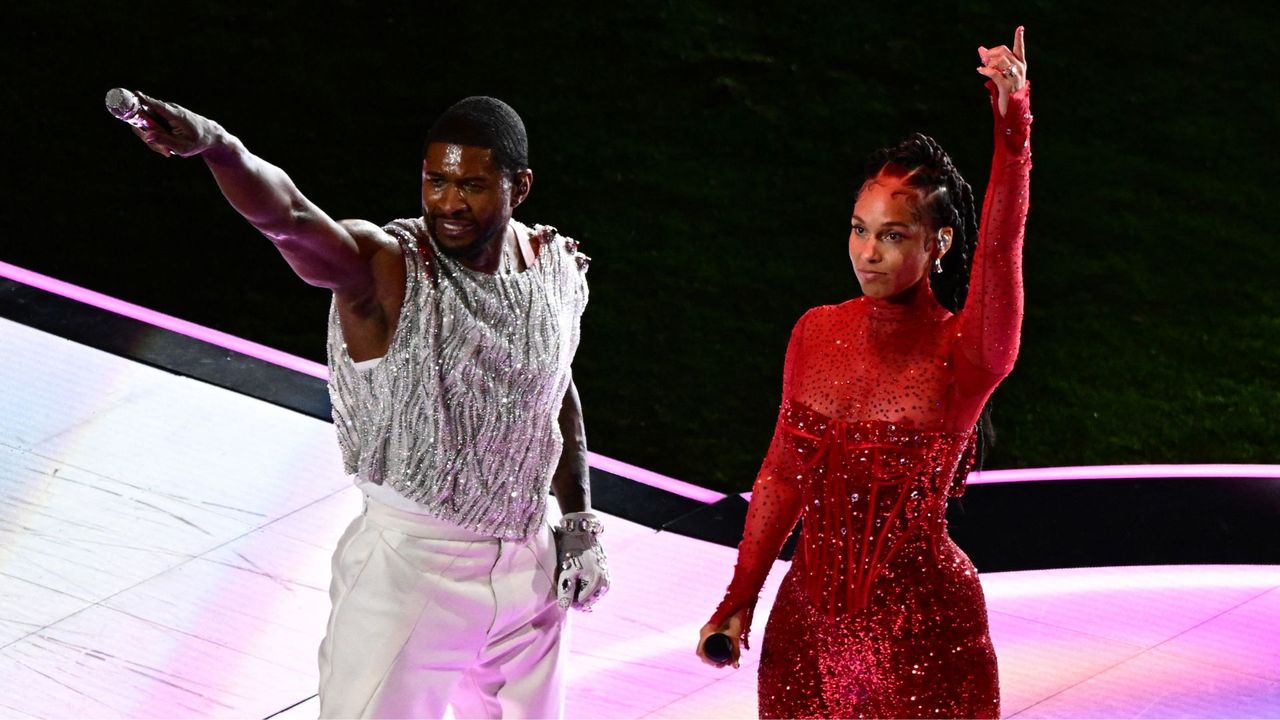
pixel 706 156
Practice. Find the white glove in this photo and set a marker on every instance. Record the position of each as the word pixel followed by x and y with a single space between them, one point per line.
pixel 583 570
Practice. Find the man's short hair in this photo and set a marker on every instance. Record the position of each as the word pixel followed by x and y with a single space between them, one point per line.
pixel 484 122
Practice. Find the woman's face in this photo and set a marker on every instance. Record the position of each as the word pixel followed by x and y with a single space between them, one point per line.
pixel 890 247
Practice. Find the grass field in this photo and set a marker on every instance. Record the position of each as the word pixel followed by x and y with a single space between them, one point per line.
pixel 706 157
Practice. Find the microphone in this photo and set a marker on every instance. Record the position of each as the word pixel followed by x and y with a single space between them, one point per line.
pixel 128 107
pixel 718 648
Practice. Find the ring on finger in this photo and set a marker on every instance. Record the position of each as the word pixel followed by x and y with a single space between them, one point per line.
pixel 1009 71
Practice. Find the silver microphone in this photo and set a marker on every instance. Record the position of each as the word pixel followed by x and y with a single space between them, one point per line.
pixel 126 106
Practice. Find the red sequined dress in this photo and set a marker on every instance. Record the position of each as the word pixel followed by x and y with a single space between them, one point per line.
pixel 881 614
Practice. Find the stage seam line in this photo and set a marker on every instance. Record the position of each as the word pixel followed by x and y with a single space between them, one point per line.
pixel 188 559
pixel 1211 619
pixel 285 710
pixel 1082 681
pixel 687 695
pixel 1074 631
pixel 1045 699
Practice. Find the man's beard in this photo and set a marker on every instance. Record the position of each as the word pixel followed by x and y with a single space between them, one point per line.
pixel 470 251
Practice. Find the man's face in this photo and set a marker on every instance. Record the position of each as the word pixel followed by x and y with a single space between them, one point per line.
pixel 466 201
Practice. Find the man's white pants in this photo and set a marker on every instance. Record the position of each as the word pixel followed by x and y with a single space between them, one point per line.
pixel 426 615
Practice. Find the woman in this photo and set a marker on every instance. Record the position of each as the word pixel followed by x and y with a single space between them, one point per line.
pixel 881 615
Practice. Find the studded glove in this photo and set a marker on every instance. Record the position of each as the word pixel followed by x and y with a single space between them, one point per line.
pixel 583 570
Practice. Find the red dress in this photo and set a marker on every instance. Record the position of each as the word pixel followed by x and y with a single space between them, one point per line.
pixel 881 615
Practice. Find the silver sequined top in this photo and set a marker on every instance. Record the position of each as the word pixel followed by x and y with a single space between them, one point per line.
pixel 461 414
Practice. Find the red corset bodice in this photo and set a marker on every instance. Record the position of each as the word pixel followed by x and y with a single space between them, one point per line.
pixel 867 491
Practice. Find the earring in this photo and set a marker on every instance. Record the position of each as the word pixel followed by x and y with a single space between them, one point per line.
pixel 937 264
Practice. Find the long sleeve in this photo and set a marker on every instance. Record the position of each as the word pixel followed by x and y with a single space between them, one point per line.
pixel 991 321
pixel 774 508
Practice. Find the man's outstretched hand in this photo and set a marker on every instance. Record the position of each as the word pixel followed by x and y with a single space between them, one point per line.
pixel 187 133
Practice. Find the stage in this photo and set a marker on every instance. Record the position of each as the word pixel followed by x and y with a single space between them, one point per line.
pixel 164 547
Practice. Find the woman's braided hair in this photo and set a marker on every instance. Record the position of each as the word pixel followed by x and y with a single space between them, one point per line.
pixel 945 200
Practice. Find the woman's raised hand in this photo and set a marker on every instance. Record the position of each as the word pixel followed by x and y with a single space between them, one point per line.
pixel 1005 67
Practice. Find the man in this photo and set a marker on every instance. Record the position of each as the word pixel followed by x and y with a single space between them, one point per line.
pixel 450 343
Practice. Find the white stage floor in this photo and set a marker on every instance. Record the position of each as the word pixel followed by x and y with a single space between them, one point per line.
pixel 164 550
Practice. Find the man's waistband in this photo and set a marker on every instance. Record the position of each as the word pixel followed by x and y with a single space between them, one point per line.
pixel 420 524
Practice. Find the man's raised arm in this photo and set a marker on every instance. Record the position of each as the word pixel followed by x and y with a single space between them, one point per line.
pixel 323 252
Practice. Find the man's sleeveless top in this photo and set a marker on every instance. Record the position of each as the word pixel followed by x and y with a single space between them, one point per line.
pixel 461 413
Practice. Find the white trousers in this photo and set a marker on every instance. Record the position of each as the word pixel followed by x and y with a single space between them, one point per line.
pixel 426 615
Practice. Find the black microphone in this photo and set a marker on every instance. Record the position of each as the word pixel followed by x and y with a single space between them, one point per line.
pixel 718 648
pixel 128 107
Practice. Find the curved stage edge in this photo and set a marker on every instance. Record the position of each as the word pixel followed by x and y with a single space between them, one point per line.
pixel 156 562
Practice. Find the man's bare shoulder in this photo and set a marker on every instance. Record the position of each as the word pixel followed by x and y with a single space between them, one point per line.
pixel 371 239
pixel 375 310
